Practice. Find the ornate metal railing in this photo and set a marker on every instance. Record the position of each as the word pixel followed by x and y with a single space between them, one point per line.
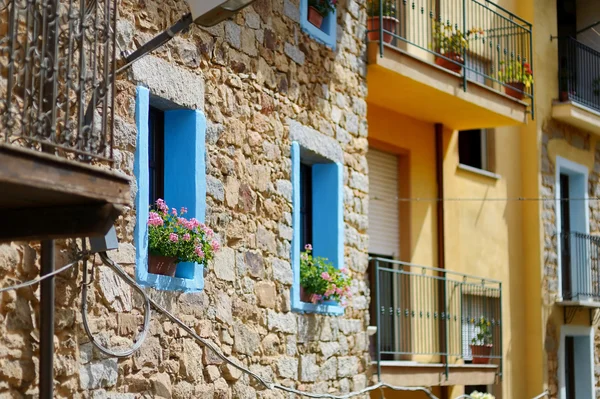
pixel 479 40
pixel 578 73
pixel 57 59
pixel 580 266
pixel 433 315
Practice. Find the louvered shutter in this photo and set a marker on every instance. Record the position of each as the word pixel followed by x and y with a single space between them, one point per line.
pixel 384 229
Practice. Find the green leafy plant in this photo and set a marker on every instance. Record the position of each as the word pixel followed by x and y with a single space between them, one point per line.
pixel 321 280
pixel 171 234
pixel 449 40
pixel 596 86
pixel 515 71
pixel 481 395
pixel 484 332
pixel 323 7
pixel 388 10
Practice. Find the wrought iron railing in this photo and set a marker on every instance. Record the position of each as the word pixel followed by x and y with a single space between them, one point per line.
pixel 477 39
pixel 580 266
pixel 57 59
pixel 433 315
pixel 578 73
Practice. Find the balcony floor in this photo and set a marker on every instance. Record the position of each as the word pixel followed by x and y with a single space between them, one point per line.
pixel 433 374
pixel 577 115
pixel 406 83
pixel 44 196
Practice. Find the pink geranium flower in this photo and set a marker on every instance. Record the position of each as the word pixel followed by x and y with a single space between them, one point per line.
pixel 308 247
pixel 173 237
pixel 215 245
pixel 325 276
pixel 186 237
pixel 199 252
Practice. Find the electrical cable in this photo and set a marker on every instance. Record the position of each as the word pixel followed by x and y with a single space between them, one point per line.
pixel 467 199
pixel 141 336
pixel 45 276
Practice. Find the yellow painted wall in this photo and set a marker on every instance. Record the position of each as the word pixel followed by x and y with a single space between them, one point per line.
pixel 389 394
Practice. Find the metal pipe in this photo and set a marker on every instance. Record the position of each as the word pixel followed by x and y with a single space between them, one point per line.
pixel 47 322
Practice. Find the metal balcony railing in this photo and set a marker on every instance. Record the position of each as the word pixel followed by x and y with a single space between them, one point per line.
pixel 578 73
pixel 432 315
pixel 57 59
pixel 580 266
pixel 480 40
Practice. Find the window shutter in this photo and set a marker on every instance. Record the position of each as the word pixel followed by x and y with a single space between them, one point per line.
pixel 328 212
pixel 384 217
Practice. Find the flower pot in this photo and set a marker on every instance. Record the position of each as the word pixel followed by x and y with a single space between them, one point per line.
pixel 389 24
pixel 481 353
pixel 314 17
pixel 445 62
pixel 305 296
pixel 163 265
pixel 515 89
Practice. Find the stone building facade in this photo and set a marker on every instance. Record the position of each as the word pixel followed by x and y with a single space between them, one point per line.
pixel 252 77
pixel 563 140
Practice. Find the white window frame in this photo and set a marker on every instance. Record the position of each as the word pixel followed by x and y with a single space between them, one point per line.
pixel 574 331
pixel 572 169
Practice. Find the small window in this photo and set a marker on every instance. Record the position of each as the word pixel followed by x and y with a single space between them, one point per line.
pixel 476 149
pixel 318 213
pixel 306 224
pixel 169 163
pixel 326 31
pixel 156 155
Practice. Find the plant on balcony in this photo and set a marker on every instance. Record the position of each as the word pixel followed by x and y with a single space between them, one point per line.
pixel 517 76
pixel 320 281
pixel 481 344
pixel 319 9
pixel 596 86
pixel 381 11
pixel 173 239
pixel 451 43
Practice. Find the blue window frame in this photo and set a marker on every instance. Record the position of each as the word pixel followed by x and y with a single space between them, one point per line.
pixel 327 34
pixel 327 209
pixel 184 183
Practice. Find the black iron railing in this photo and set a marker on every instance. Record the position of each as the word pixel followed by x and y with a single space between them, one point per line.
pixel 580 266
pixel 477 39
pixel 578 73
pixel 57 59
pixel 432 315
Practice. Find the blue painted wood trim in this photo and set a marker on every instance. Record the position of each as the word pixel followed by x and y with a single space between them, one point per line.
pixel 328 32
pixel 185 185
pixel 334 176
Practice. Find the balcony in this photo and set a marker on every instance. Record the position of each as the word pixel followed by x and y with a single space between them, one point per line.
pixel 435 327
pixel 580 269
pixel 453 62
pixel 579 86
pixel 57 115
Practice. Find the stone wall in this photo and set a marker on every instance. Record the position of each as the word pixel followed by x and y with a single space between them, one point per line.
pixel 250 75
pixel 583 142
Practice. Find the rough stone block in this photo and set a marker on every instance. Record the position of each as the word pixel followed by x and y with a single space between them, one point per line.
pixel 309 370
pixel 287 367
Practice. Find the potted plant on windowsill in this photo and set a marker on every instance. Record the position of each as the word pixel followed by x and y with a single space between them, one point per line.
pixel 517 76
pixel 450 44
pixel 319 9
pixel 320 281
pixel 387 17
pixel 481 344
pixel 173 239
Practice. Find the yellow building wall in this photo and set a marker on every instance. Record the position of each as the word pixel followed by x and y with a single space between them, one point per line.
pixel 483 238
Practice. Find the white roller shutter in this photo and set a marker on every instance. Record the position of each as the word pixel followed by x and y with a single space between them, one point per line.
pixel 384 229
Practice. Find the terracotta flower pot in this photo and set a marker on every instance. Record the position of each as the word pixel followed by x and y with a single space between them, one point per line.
pixel 515 89
pixel 305 296
pixel 389 24
pixel 163 265
pixel 481 353
pixel 445 62
pixel 314 17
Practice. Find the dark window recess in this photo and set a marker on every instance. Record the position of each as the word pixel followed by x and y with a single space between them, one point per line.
pixel 470 148
pixel 565 228
pixel 156 154
pixel 469 389
pixel 570 367
pixel 306 204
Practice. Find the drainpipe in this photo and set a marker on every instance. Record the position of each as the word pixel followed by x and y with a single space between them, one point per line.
pixel 441 264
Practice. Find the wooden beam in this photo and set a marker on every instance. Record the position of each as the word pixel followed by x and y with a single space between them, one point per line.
pixel 36 170
pixel 31 224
